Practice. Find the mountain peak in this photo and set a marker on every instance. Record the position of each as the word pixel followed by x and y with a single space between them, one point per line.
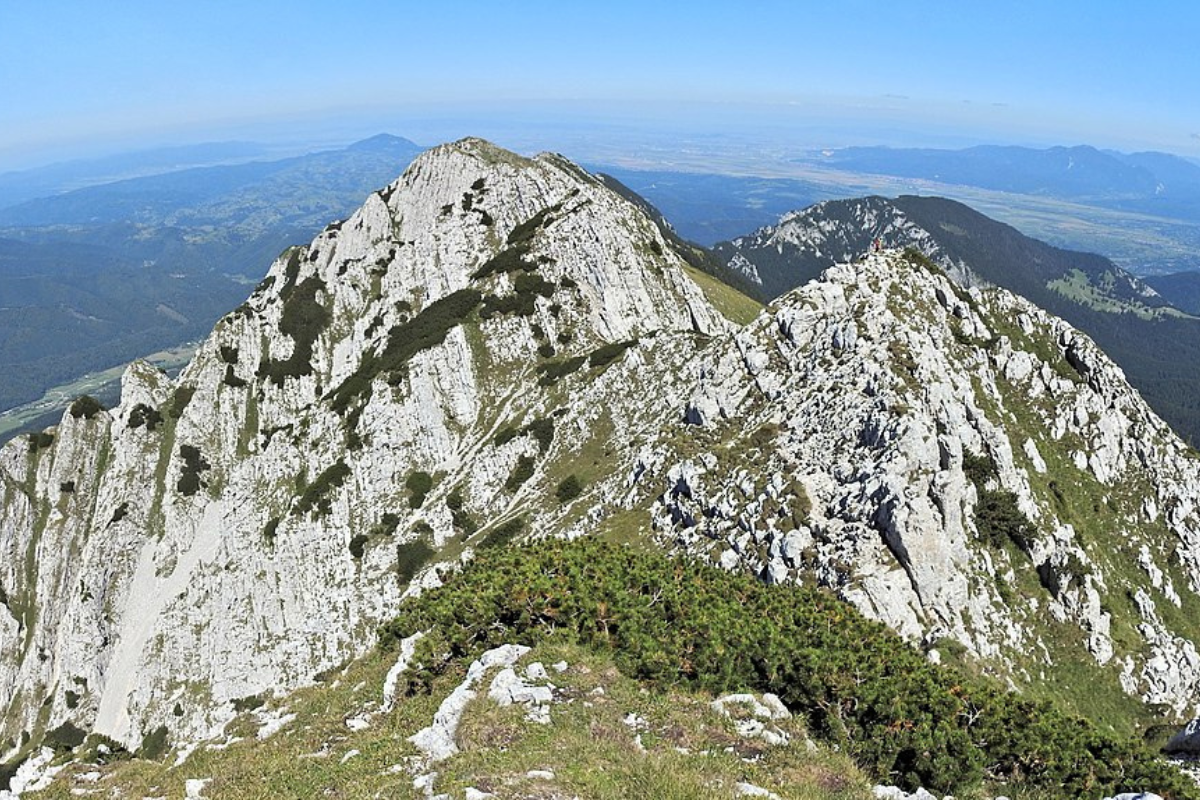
pixel 386 142
pixel 436 338
pixel 495 347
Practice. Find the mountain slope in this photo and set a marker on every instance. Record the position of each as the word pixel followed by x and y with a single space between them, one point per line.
pixel 1157 345
pixel 1181 289
pixel 92 278
pixel 246 196
pixel 411 343
pixel 495 348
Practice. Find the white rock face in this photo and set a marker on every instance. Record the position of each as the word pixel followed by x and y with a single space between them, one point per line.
pixel 495 324
pixel 436 741
pixel 843 461
pixel 206 550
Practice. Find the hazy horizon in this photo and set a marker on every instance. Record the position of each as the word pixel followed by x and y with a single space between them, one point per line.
pixel 85 80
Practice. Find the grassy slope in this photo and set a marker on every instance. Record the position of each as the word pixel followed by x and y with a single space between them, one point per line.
pixel 733 305
pixel 588 746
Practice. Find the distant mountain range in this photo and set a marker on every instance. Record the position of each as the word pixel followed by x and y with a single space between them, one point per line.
pixel 28 184
pixel 1154 183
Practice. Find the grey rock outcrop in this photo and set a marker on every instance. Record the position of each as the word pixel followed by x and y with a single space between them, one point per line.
pixel 425 376
pixel 235 530
pixel 1186 741
pixel 853 419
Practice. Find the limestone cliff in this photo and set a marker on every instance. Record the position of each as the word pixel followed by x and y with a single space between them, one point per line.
pixel 495 347
pixel 236 530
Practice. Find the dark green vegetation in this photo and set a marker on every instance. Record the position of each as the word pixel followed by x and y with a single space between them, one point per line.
pixel 521 473
pixel 1181 289
pixel 427 329
pixel 95 277
pixel 40 441
pixel 193 464
pixel 142 414
pixel 551 372
pixel 303 319
pixel 459 516
pixel 86 407
pixel 855 682
pixel 316 495
pixel 997 516
pixel 515 260
pixel 358 545
pixel 541 429
pixel 418 484
pixel 527 287
pixel 65 737
pixel 568 488
pixel 503 533
pixel 604 355
pixel 155 744
pixel 410 557
pixel 179 400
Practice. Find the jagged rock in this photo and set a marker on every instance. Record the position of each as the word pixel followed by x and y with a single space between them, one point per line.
pixel 239 529
pixel 437 740
pixel 877 502
pixel 201 571
pixel 508 688
pixel 33 775
pixel 1186 741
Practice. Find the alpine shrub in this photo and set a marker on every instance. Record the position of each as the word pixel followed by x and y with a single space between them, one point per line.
pixel 568 489
pixel 86 407
pixel 853 681
pixel 418 484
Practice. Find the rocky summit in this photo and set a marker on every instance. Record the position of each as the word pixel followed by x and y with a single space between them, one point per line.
pixel 494 348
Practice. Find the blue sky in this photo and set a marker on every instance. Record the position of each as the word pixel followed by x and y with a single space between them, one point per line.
pixel 79 76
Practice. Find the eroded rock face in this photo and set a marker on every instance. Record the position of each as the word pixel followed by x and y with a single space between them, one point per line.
pixel 235 531
pixel 838 440
pixel 494 346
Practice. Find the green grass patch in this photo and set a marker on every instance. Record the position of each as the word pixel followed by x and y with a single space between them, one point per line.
pixel 729 302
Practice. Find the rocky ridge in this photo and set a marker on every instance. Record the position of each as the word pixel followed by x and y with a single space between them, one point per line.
pixel 496 345
pixel 220 535
pixel 868 428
